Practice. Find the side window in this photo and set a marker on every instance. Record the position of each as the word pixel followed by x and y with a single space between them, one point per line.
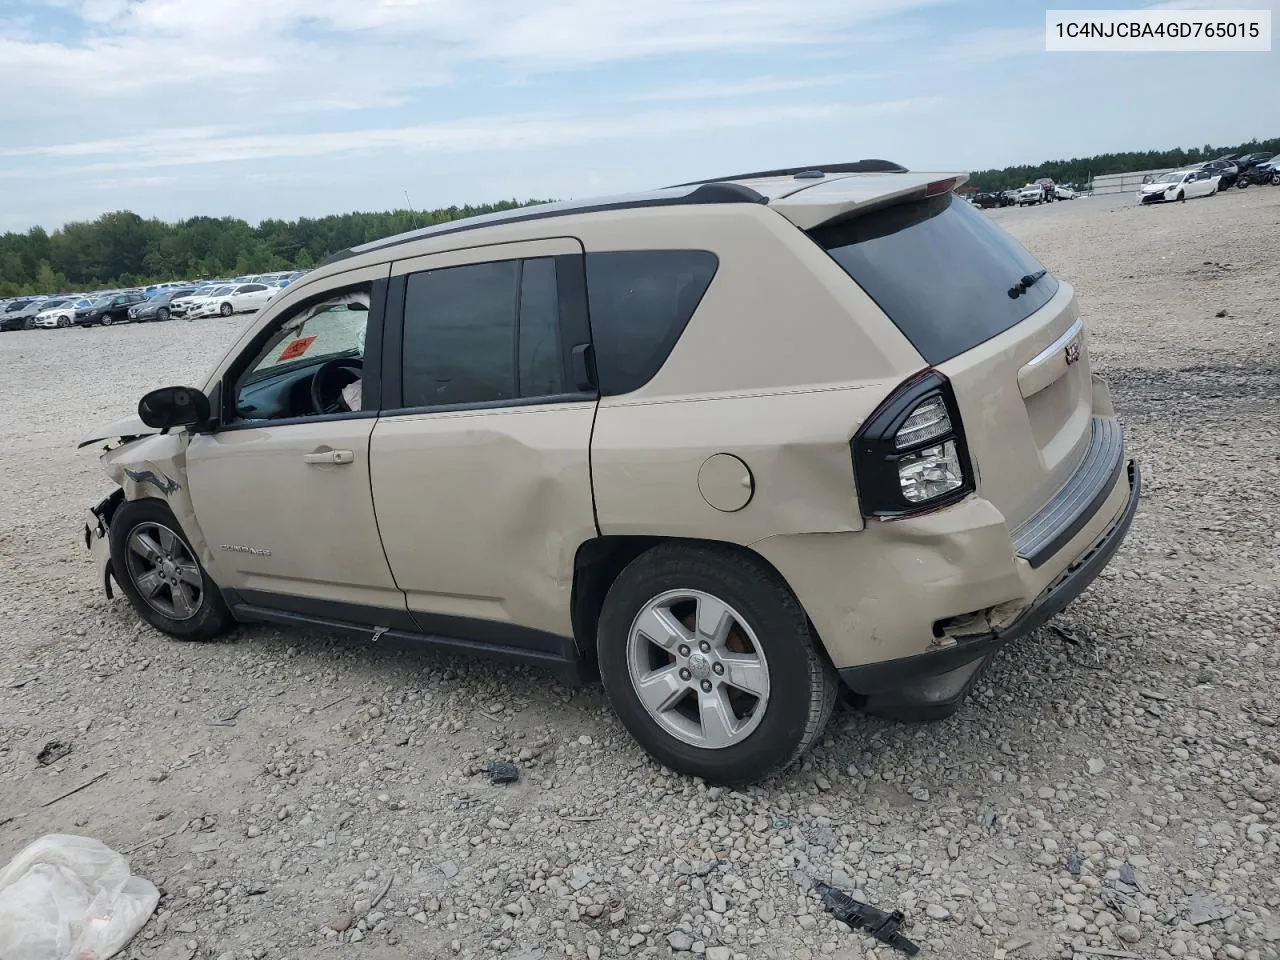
pixel 328 331
pixel 460 334
pixel 640 301
pixel 482 333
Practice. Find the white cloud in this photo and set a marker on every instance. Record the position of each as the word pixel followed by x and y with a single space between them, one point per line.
pixel 204 145
pixel 731 90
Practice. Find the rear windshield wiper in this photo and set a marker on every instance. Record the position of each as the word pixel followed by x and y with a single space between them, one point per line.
pixel 1025 284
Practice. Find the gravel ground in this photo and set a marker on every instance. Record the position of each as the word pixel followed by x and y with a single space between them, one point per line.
pixel 1107 789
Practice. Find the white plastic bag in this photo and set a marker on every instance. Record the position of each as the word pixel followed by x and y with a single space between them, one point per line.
pixel 70 898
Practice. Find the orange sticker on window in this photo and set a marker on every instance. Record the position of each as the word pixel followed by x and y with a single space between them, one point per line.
pixel 296 349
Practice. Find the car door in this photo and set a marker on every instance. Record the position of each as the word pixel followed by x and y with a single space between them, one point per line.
pixel 480 461
pixel 281 492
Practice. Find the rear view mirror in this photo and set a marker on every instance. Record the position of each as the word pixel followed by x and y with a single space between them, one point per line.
pixel 174 407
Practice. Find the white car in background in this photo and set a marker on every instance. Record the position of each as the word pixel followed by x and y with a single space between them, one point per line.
pixel 241 298
pixel 1179 185
pixel 60 312
pixel 185 305
pixel 1064 191
pixel 1032 193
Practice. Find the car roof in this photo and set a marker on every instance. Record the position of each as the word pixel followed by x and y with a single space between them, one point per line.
pixel 800 193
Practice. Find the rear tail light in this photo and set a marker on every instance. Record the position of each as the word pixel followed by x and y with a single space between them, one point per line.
pixel 911 456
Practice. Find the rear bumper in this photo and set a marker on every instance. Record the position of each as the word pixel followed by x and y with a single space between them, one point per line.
pixel 892 675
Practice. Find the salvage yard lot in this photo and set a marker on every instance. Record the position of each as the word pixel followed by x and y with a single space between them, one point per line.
pixel 1140 735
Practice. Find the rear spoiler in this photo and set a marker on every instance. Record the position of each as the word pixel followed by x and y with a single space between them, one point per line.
pixel 856 166
pixel 836 198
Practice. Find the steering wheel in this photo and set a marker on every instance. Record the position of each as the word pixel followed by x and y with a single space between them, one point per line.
pixel 329 379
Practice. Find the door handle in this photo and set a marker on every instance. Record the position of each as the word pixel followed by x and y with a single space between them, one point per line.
pixel 329 456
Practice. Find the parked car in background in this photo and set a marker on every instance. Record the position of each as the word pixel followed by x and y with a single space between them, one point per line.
pixel 1031 194
pixel 20 314
pixel 1226 170
pixel 988 200
pixel 156 307
pixel 182 304
pixel 1064 191
pixel 56 312
pixel 1049 187
pixel 1253 159
pixel 245 298
pixel 106 310
pixel 1272 167
pixel 1179 185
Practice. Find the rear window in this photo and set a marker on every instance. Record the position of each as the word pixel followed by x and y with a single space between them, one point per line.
pixel 640 302
pixel 940 270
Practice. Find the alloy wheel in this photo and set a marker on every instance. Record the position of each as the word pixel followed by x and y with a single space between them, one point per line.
pixel 698 669
pixel 164 571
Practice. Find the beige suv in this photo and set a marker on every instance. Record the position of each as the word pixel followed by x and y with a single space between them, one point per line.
pixel 735 444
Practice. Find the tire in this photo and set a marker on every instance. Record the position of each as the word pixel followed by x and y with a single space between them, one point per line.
pixel 226 310
pixel 107 320
pixel 1275 179
pixel 208 615
pixel 1182 196
pixel 1241 183
pixel 162 313
pixel 768 636
pixel 64 322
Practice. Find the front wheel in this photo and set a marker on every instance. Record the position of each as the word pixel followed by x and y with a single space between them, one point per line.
pixel 107 320
pixel 226 310
pixel 162 313
pixel 157 569
pixel 710 663
pixel 64 321
pixel 1241 183
pixel 1275 179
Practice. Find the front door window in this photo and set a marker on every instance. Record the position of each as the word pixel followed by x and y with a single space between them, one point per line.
pixel 311 365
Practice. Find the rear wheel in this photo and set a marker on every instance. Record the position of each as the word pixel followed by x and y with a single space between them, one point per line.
pixel 711 665
pixel 157 569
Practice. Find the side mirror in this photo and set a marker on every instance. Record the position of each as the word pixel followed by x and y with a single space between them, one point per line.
pixel 174 407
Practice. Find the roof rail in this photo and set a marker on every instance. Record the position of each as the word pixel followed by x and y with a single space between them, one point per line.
pixel 856 166
pixel 706 192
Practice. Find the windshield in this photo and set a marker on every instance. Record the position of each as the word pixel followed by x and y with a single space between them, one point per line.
pixel 221 291
pixel 83 304
pixel 1170 178
pixel 50 304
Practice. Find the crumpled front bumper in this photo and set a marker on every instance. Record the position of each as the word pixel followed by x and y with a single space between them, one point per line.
pixel 96 527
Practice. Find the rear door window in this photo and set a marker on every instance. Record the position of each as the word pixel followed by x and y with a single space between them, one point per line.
pixel 940 270
pixel 640 301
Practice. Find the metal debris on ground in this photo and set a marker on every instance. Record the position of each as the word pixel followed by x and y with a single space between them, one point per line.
pixel 502 772
pixel 52 752
pixel 1128 878
pixel 885 927
pixel 1074 864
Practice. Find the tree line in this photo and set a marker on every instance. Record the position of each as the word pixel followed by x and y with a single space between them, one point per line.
pixel 121 249
pixel 1081 170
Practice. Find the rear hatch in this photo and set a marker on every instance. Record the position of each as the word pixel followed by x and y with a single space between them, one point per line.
pixel 983 311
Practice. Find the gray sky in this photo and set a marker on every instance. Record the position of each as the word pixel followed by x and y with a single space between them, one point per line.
pixel 287 108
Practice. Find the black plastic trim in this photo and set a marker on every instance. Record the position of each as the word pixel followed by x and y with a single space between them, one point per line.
pixel 855 166
pixel 483 638
pixel 876 455
pixel 708 192
pixel 1053 525
pixel 891 675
